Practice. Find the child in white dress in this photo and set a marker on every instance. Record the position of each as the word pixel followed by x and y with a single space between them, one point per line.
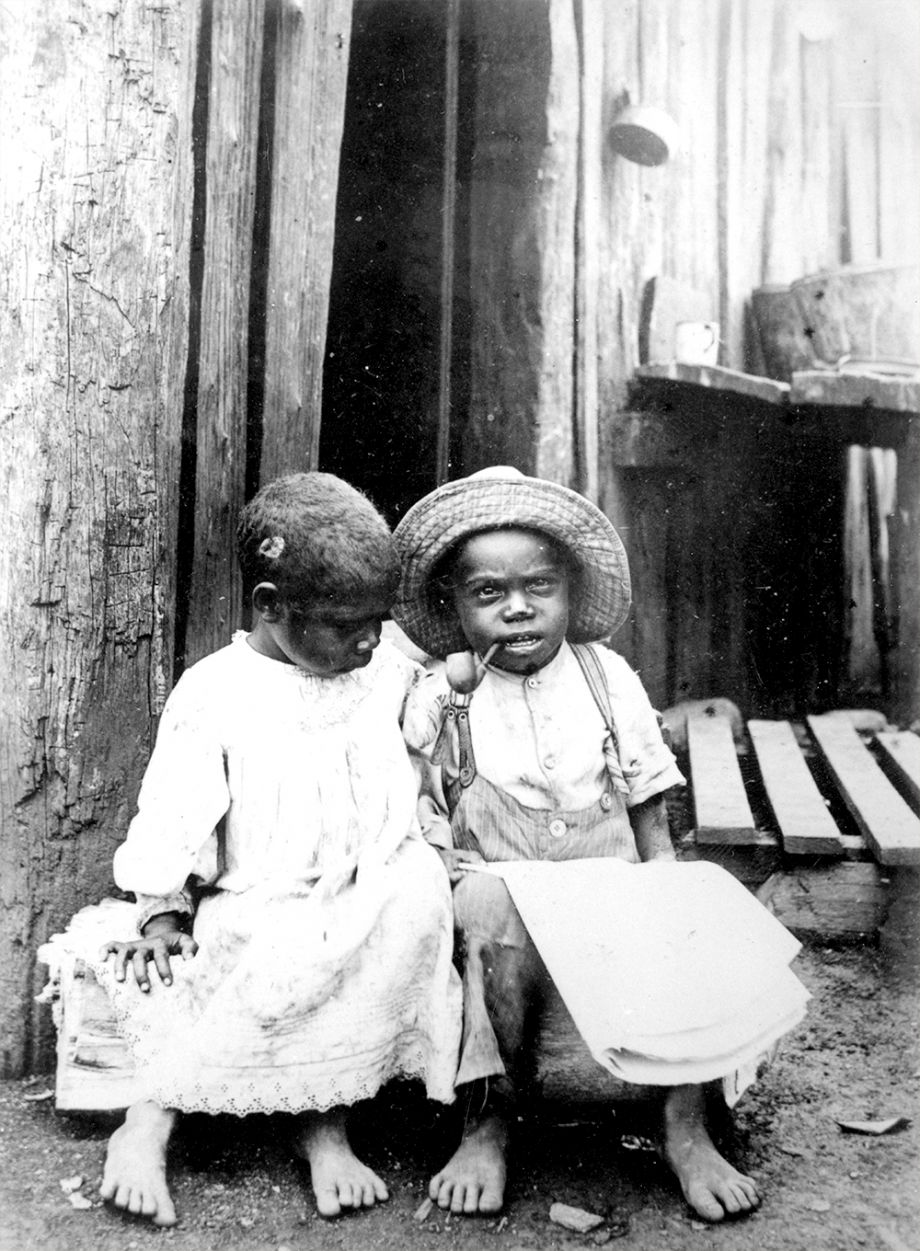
pixel 554 830
pixel 297 923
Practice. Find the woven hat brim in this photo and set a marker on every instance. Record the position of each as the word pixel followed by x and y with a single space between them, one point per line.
pixel 453 512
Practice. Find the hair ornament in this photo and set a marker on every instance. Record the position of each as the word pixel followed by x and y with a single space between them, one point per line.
pixel 272 548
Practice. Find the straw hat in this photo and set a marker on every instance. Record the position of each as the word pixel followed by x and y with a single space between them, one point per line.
pixel 493 499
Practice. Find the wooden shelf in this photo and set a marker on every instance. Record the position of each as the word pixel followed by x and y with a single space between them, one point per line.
pixel 896 394
pixel 717 378
pixel 864 408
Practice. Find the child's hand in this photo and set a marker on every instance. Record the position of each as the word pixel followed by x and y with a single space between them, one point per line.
pixel 158 944
pixel 454 857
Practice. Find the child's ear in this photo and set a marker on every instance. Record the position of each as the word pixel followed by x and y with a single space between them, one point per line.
pixel 266 600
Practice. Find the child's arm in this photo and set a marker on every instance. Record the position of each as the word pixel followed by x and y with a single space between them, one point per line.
pixel 162 937
pixel 650 826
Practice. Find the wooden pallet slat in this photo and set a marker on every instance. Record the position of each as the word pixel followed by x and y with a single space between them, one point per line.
pixel 721 808
pixel 900 757
pixel 889 826
pixel 805 825
pixel 844 902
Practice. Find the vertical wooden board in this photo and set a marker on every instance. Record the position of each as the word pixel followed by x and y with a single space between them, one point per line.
pixel 721 808
pixel 233 118
pixel 805 824
pixel 693 587
pixel 522 236
pixel 859 69
pixel 643 524
pixel 891 829
pixel 95 208
pixel 862 659
pixel 899 134
pixel 905 560
pixel 746 30
pixel 689 245
pixel 625 230
pixel 590 146
pixel 900 757
pixel 311 68
pixel 782 208
pixel 819 197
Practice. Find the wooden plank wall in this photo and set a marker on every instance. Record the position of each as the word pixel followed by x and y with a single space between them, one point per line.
pixel 95 225
pixel 523 183
pixel 235 58
pixel 785 168
pixel 130 187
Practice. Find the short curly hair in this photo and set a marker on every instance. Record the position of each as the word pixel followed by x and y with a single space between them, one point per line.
pixel 318 539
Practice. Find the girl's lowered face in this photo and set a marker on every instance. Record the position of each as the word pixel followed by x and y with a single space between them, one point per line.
pixel 512 587
pixel 330 639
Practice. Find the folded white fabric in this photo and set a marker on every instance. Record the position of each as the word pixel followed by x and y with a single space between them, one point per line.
pixel 671 969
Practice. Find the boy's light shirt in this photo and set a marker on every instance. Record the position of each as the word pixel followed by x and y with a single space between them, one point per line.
pixel 541 739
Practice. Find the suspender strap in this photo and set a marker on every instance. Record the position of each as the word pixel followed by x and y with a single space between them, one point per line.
pixel 457 713
pixel 591 667
pixel 465 743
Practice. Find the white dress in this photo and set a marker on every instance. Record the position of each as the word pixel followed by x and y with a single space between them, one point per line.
pixel 325 926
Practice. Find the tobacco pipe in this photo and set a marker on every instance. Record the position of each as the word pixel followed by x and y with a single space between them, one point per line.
pixel 465 670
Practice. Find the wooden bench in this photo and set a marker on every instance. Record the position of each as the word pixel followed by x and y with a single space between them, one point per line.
pixel 842 812
pixel 882 802
pixel 95 1072
pixel 804 870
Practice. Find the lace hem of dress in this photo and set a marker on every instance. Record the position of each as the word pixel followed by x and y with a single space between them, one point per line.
pixel 300 1092
pixel 239 1099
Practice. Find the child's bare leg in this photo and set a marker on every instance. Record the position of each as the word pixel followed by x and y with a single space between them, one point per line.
pixel 339 1178
pixel 473 1179
pixel 499 990
pixel 712 1187
pixel 135 1164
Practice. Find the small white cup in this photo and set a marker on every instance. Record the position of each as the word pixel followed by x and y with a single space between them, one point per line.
pixel 696 342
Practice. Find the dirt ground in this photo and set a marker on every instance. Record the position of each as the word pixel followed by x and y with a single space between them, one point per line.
pixel 854 1058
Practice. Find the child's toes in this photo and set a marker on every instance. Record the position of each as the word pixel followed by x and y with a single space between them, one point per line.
pixel 379 1192
pixel 705 1202
pixel 471 1200
pixel 327 1200
pixel 440 1192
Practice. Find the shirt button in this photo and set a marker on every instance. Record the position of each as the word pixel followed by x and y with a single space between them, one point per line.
pixel 549 762
pixel 533 683
pixel 606 801
pixel 557 827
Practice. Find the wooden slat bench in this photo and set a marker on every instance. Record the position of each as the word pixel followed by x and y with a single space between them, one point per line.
pixel 899 754
pixel 720 802
pixel 95 1072
pixel 886 816
pixel 815 895
pixel 803 819
pixel 886 821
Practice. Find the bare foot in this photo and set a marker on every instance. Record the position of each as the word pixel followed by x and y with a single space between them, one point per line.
pixel 134 1177
pixel 473 1180
pixel 712 1187
pixel 339 1178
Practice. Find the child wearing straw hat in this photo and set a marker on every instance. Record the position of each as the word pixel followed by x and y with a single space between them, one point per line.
pixel 553 828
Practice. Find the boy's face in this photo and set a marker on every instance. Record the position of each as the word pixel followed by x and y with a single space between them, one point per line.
pixel 512 587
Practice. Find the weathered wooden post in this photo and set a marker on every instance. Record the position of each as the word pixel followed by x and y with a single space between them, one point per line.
pixel 235 66
pixel 522 247
pixel 95 109
pixel 312 41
